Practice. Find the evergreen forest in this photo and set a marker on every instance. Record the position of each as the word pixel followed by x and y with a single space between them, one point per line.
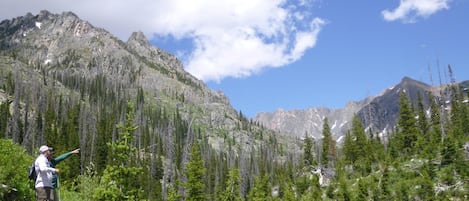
pixel 136 151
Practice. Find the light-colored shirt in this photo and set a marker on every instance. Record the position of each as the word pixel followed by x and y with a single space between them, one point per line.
pixel 44 172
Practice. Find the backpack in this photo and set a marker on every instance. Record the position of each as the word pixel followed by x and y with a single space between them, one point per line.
pixel 32 175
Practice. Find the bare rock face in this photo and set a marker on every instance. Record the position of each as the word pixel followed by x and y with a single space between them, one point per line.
pixel 139 43
pixel 378 113
pixel 311 121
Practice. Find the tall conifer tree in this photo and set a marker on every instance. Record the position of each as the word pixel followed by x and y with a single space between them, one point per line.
pixel 195 186
pixel 422 117
pixel 361 147
pixel 328 145
pixel 436 125
pixel 232 192
pixel 307 151
pixel 408 131
pixel 120 179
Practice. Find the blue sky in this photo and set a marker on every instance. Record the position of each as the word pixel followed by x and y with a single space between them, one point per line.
pixel 295 54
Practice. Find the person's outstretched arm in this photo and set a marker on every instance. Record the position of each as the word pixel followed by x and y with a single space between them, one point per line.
pixel 65 155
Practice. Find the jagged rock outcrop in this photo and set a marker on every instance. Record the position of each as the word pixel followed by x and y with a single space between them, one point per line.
pixel 382 112
pixel 310 121
pixel 378 113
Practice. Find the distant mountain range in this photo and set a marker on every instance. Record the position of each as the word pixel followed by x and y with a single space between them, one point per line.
pixel 378 113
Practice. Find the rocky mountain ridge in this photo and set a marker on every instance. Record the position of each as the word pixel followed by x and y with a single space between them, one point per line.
pixel 67 52
pixel 378 113
pixel 49 40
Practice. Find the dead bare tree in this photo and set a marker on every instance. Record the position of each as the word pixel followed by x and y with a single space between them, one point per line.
pixel 15 118
pixel 26 141
pixel 168 176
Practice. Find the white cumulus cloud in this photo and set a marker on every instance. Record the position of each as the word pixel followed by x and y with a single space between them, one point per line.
pixel 238 38
pixel 231 38
pixel 409 10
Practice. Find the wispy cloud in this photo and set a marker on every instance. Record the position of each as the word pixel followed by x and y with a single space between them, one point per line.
pixel 231 38
pixel 409 10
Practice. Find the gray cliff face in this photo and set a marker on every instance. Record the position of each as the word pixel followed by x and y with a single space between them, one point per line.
pixel 139 44
pixel 382 113
pixel 378 113
pixel 310 121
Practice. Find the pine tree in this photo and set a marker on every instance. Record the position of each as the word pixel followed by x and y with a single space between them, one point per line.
pixel 363 193
pixel 385 183
pixel 308 157
pixel 103 136
pixel 407 132
pixel 4 116
pixel 50 130
pixel 70 138
pixel 378 153
pixel 459 117
pixel 344 189
pixel 288 193
pixel 120 179
pixel 422 117
pixel 173 194
pixel 424 139
pixel 195 186
pixel 302 183
pixel 452 150
pixel 362 148
pixel 435 127
pixel 328 145
pixel 449 153
pixel 232 192
pixel 260 190
pixel 348 149
pixel 358 132
pixel 425 188
pixel 464 114
pixel 314 191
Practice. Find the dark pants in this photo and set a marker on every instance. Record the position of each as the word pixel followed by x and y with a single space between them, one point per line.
pixel 44 194
pixel 56 194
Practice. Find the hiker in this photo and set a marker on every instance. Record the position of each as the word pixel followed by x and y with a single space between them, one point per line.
pixel 53 163
pixel 43 185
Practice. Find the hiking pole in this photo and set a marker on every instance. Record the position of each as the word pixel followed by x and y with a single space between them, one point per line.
pixel 58 189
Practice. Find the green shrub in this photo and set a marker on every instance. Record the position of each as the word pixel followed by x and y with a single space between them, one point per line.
pixel 72 196
pixel 14 181
pixel 85 186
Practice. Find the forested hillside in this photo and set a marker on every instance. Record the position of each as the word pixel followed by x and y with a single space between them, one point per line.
pixel 67 84
pixel 148 130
